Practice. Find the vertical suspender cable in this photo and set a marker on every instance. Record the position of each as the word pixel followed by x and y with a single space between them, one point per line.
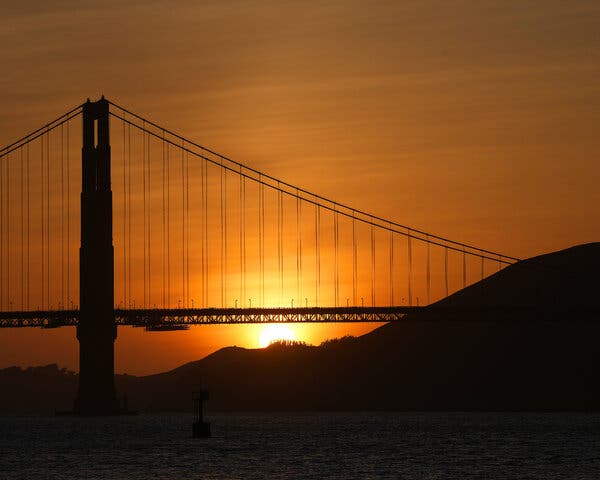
pixel 68 217
pixel 48 217
pixel 29 229
pixel 188 228
pixel 8 249
pixel 3 160
pixel 62 217
pixel 124 215
pixel 243 240
pixel 225 265
pixel 21 205
pixel 206 257
pixel 372 264
pixel 300 250
pixel 6 226
pixel 446 270
pixel 464 272
pixel 428 270
pixel 298 246
pixel 129 212
pixel 279 266
pixel 149 138
pixel 168 226
pixel 2 236
pixel 318 254
pixel 6 237
pixel 4 231
pixel 1 233
pixel 222 236
pixel 202 234
pixel 354 261
pixel 281 249
pixel 391 267
pixel 144 139
pixel 259 244
pixel 164 232
pixel 482 265
pixel 183 244
pixel 262 194
pixel 42 226
pixel 409 248
pixel 261 239
pixel 335 256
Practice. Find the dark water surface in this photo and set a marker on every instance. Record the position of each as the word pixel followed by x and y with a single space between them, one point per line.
pixel 361 445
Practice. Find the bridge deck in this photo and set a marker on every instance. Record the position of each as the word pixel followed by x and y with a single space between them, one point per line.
pixel 166 318
pixel 182 318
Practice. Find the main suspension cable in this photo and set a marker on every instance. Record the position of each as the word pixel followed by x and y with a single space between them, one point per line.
pixel 65 117
pixel 295 192
pixel 398 228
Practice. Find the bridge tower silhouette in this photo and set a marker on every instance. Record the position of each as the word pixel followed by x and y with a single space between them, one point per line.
pixel 96 330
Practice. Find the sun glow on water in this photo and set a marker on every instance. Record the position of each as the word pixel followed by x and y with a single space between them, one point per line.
pixel 274 332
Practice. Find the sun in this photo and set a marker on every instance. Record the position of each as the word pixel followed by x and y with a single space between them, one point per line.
pixel 273 332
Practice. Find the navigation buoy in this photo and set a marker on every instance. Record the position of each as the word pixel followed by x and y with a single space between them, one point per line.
pixel 200 428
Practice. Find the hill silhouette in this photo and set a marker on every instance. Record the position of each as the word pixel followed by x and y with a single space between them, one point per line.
pixel 537 351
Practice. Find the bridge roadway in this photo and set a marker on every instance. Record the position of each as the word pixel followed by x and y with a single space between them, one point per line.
pixel 181 318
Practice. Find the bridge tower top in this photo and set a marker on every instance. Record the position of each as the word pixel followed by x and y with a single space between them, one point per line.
pixel 95 124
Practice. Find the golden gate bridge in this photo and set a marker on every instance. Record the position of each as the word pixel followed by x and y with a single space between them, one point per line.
pixel 194 237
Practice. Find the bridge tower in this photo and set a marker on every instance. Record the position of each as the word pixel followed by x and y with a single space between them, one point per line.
pixel 96 330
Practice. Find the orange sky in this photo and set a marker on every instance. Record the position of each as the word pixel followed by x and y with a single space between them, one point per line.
pixel 473 120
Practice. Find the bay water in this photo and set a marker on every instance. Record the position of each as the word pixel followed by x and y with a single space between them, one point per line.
pixel 304 445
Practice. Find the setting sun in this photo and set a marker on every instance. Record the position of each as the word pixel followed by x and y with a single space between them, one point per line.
pixel 274 332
